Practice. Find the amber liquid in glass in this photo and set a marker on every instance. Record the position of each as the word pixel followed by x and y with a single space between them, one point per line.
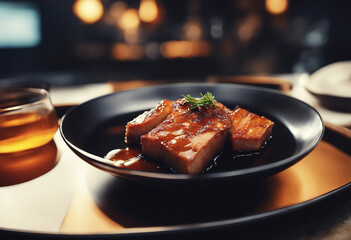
pixel 26 130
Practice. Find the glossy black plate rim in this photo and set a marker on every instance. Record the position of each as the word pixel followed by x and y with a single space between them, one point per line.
pixel 108 165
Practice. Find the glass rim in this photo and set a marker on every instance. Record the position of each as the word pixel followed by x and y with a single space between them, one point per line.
pixel 38 91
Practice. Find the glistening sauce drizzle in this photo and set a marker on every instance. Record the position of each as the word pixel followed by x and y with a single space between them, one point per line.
pixel 131 158
pixel 108 141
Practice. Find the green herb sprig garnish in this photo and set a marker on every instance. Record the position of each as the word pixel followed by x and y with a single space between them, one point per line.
pixel 205 100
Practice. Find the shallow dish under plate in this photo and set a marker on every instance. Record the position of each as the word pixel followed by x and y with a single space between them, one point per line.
pixel 298 129
pixel 331 85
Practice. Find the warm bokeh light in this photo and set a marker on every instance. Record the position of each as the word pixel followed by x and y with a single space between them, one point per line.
pixel 125 52
pixel 117 9
pixel 129 23
pixel 192 30
pixel 89 11
pixel 277 7
pixel 129 20
pixel 249 27
pixel 185 49
pixel 148 10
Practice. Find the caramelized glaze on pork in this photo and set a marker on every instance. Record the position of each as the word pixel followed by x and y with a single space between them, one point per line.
pixel 147 121
pixel 187 140
pixel 248 131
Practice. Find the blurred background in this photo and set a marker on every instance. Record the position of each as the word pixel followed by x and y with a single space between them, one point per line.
pixel 81 41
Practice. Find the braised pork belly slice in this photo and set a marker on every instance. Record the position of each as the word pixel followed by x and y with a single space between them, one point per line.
pixel 147 121
pixel 248 131
pixel 188 140
pixel 223 107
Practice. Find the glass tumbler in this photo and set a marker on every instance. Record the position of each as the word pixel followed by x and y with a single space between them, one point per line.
pixel 27 119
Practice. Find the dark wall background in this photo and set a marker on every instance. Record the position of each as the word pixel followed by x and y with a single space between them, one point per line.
pixel 281 44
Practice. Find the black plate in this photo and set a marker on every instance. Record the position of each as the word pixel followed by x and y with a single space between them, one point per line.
pixel 298 129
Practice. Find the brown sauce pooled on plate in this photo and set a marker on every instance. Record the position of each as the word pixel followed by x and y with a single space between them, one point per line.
pixel 131 158
pixel 110 135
